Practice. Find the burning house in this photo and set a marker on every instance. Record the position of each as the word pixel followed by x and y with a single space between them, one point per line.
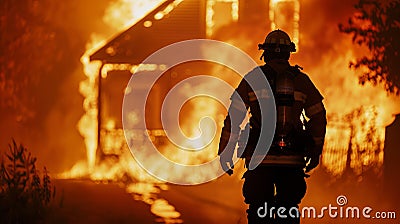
pixel 170 22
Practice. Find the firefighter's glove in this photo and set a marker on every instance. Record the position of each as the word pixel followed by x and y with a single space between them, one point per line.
pixel 225 158
pixel 313 154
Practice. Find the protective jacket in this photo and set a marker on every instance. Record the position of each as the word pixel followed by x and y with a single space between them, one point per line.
pixel 301 140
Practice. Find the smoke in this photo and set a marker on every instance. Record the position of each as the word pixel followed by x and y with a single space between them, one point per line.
pixel 325 54
pixel 51 134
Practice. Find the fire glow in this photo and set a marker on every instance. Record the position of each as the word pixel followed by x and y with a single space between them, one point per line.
pixel 281 22
pixel 356 133
pixel 210 13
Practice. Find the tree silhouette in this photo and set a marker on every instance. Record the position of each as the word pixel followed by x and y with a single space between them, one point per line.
pixel 376 25
pixel 24 196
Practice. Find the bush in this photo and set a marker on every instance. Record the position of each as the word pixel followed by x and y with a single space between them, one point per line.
pixel 24 196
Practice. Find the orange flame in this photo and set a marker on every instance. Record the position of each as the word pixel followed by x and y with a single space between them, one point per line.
pixel 119 15
pixel 340 97
pixel 88 122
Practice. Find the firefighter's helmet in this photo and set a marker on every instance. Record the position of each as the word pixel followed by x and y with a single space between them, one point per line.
pixel 277 41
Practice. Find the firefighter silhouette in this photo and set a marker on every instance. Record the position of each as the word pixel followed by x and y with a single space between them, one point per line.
pixel 279 181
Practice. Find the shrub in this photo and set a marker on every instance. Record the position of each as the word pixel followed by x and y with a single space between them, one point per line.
pixel 24 196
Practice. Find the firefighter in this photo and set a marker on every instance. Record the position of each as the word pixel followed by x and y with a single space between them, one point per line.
pixel 279 180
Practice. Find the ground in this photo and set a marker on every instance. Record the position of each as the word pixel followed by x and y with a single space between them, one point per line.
pixel 219 201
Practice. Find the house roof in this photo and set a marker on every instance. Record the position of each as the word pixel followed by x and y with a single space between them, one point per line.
pixel 184 20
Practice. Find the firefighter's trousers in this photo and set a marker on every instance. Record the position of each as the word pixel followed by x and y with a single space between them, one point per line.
pixel 273 194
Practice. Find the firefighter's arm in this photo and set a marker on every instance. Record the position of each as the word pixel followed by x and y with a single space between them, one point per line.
pixel 316 126
pixel 230 132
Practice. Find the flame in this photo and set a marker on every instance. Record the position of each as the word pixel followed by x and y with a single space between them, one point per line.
pixel 362 132
pixel 279 22
pixel 87 125
pixel 210 12
pixel 159 15
pixel 357 116
pixel 354 143
pixel 124 13
pixel 118 16
pixel 201 116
